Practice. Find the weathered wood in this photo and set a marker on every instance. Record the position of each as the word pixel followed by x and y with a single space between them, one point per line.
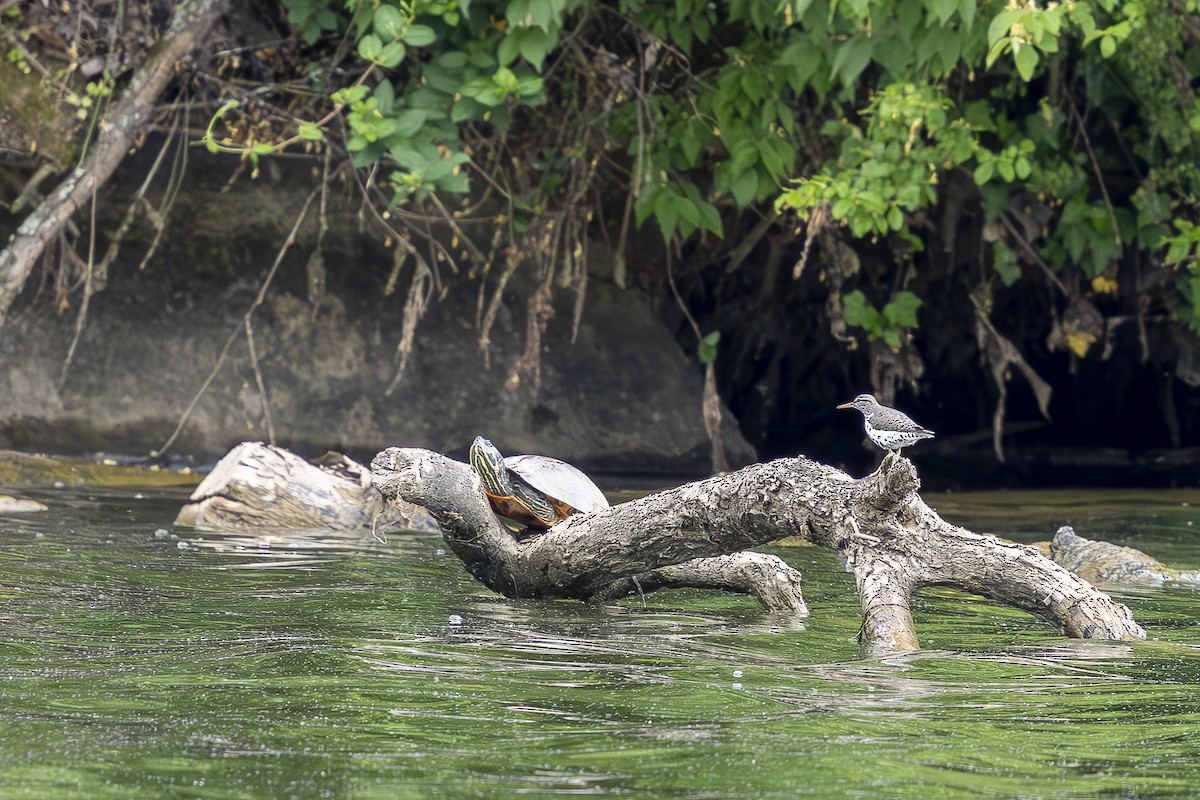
pixel 892 541
pixel 20 505
pixel 260 486
pixel 117 132
pixel 1107 564
pixel 768 578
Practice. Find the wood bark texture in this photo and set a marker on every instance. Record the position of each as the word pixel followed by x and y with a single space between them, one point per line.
pixel 889 538
pixel 117 131
pixel 259 486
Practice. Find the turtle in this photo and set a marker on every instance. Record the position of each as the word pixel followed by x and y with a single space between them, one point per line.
pixel 535 491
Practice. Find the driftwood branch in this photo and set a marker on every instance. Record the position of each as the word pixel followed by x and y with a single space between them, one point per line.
pixel 768 578
pixel 117 132
pixel 890 539
pixel 259 486
pixel 1108 564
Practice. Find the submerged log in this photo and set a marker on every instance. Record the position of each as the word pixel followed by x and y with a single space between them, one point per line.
pixel 1107 564
pixel 889 538
pixel 258 485
pixel 20 505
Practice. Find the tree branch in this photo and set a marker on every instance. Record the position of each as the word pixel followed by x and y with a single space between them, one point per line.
pixel 889 537
pixel 118 130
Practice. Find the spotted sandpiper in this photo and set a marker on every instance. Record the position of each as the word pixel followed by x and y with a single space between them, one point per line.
pixel 887 427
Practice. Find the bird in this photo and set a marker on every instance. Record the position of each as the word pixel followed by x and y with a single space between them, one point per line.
pixel 888 428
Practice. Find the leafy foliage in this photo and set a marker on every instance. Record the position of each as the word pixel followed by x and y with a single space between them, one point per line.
pixel 706 350
pixel 899 313
pixel 706 111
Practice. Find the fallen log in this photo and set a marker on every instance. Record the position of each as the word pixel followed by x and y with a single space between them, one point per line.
pixel 258 485
pixel 699 534
pixel 1107 564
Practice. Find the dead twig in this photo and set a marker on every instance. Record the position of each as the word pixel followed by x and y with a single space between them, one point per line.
pixel 88 287
pixel 710 403
pixel 258 379
pixel 1087 143
pixel 419 292
pixel 233 336
pixel 117 134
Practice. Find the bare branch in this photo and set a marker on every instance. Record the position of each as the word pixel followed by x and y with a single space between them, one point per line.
pixel 118 130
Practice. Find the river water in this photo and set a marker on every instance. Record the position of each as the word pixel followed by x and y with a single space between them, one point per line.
pixel 140 660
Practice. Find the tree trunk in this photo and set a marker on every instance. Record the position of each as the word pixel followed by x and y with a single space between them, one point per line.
pixel 892 541
pixel 117 133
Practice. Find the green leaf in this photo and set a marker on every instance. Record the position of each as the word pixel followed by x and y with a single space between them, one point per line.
pixel 706 351
pixel 535 44
pixel 528 87
pixel 1177 252
pixel 851 59
pixel 351 94
pixel 745 188
pixel 510 48
pixel 408 122
pixel 466 109
pixel 997 50
pixel 743 156
pixel 1004 261
pixel 385 96
pixel 410 158
pixel 419 36
pixel 644 207
pixel 505 80
pixel 901 310
pixel 452 60
pixel 544 13
pixel 456 182
pixel 666 214
pixel 1001 24
pixel 369 47
pixel 1108 46
pixel 911 14
pixel 517 14
pixel 692 139
pixel 311 132
pixel 858 312
pixel 391 55
pixel 389 22
pixel 770 159
pixel 984 172
pixel 688 210
pixel 1006 169
pixel 943 9
pixel 1026 59
pixel 710 218
pixel 803 58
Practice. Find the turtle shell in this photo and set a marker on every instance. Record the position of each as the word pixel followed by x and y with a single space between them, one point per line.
pixel 562 483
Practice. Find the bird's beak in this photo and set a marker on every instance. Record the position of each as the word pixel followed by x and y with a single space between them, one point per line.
pixel 846 405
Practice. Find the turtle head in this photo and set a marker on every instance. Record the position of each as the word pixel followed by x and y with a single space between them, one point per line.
pixel 488 462
pixel 864 403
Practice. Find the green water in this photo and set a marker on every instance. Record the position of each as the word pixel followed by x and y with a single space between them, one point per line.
pixel 136 664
